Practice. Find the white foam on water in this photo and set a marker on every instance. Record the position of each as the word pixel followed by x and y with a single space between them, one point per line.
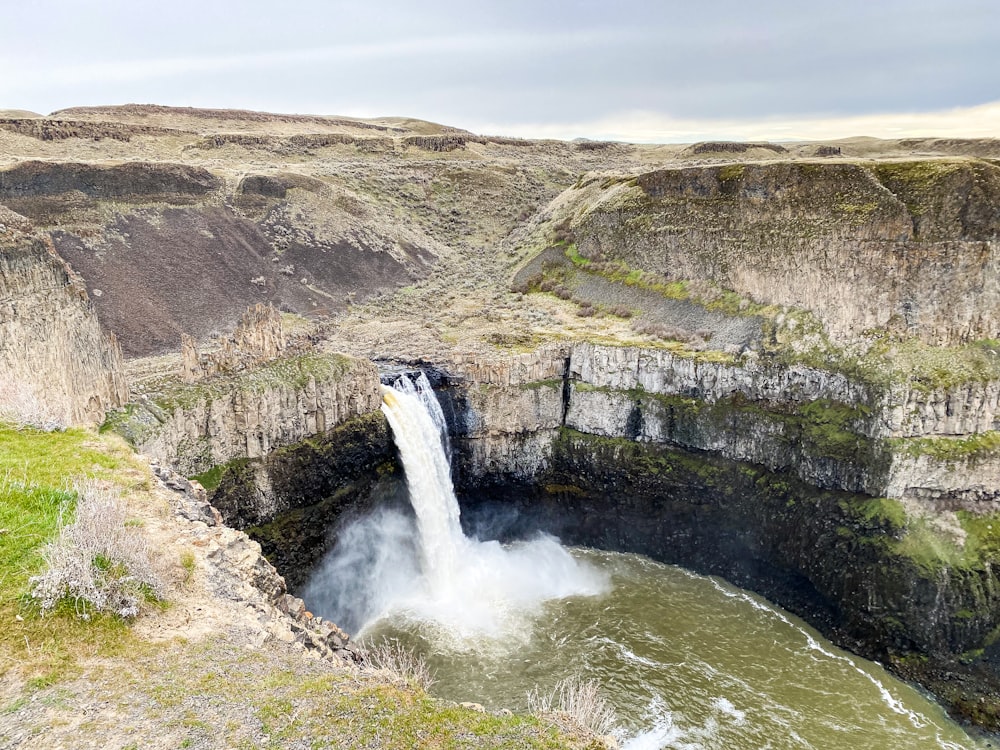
pixel 725 706
pixel 661 734
pixel 894 704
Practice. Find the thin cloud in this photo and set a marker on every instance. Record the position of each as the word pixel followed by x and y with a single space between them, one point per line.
pixel 981 121
pixel 475 45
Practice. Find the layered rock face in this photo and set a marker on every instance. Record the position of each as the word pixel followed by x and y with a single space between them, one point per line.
pixel 54 359
pixel 249 415
pixel 824 428
pixel 909 246
pixel 285 448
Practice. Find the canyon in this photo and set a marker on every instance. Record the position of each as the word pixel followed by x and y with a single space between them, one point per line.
pixel 779 365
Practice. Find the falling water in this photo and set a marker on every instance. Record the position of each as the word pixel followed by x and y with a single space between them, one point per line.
pixel 469 592
pixel 411 410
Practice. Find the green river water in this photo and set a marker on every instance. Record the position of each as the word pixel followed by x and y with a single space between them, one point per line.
pixel 688 662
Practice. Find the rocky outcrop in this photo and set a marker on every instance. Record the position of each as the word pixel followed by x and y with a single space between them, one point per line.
pixel 238 570
pixel 54 359
pixel 295 500
pixel 49 129
pixel 249 415
pixel 907 246
pixel 285 449
pixel 506 410
pixel 43 191
pixel 258 338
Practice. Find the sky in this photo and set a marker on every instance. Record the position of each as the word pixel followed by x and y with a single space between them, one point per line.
pixel 637 70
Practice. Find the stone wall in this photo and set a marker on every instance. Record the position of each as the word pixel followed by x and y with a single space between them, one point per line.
pixel 196 427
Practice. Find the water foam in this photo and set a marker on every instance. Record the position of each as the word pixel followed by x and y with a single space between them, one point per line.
pixel 893 703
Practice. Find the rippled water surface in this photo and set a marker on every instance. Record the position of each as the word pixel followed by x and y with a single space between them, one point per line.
pixel 688 662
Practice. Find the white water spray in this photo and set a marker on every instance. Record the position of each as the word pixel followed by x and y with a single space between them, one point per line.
pixel 466 594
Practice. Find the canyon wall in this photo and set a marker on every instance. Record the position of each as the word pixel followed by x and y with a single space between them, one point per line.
pixel 56 365
pixel 820 426
pixel 196 427
pixel 909 246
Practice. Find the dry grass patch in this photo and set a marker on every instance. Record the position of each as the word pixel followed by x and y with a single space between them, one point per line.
pixel 578 700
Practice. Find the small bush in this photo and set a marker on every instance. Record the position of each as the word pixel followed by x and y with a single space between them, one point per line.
pixel 21 406
pixel 620 311
pixel 564 232
pixel 578 699
pixel 562 292
pixel 526 285
pixel 97 563
pixel 662 331
pixel 399 663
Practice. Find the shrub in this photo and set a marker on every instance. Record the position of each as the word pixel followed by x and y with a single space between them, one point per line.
pixel 662 331
pixel 399 662
pixel 21 406
pixel 578 699
pixel 97 563
pixel 564 231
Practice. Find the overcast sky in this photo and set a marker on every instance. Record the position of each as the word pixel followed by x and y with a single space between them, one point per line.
pixel 628 69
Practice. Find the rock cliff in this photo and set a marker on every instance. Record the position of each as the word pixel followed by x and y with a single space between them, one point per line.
pixel 833 432
pixel 910 246
pixel 56 365
pixel 196 427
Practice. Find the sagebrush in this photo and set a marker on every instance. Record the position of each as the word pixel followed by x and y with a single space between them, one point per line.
pixel 399 662
pixel 21 406
pixel 97 563
pixel 580 700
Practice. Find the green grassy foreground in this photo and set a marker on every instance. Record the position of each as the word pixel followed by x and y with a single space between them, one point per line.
pixel 37 470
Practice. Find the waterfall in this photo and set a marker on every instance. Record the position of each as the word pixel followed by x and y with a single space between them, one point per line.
pixel 417 426
pixel 463 593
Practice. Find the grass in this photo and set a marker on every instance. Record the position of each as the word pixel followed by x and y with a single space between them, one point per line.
pixel 932 549
pixel 36 472
pixel 580 700
pixel 211 478
pixel 929 548
pixel 952 450
pixel 218 694
pixel 400 664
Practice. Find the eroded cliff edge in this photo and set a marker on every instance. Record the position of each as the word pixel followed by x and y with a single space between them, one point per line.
pixel 56 364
